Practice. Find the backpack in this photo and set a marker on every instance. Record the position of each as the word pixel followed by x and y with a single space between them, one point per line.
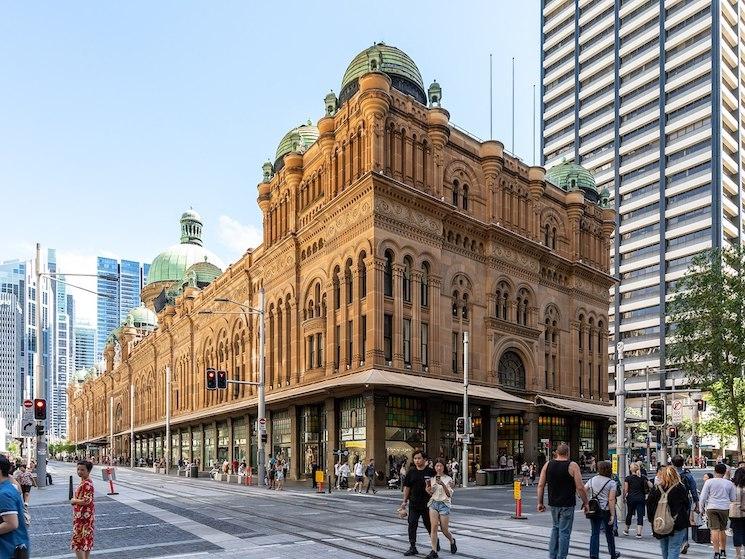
pixel 664 522
pixel 593 505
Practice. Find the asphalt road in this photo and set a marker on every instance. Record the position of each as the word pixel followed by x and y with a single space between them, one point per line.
pixel 156 517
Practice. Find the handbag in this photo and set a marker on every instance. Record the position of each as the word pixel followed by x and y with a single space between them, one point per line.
pixel 593 505
pixel 21 552
pixel 700 533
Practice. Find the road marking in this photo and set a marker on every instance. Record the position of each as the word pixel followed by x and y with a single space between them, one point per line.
pixel 103 552
pixel 369 538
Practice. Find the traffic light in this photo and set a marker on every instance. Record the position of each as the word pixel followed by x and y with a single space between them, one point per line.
pixel 460 426
pixel 657 412
pixel 211 379
pixel 40 409
pixel 222 379
pixel 701 404
pixel 672 432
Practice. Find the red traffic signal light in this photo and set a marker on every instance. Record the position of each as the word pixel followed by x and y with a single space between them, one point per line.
pixel 211 379
pixel 672 432
pixel 222 379
pixel 40 408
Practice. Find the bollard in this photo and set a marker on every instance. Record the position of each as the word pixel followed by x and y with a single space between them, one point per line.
pixel 518 496
pixel 110 475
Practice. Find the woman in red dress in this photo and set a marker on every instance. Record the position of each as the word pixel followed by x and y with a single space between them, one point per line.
pixel 83 513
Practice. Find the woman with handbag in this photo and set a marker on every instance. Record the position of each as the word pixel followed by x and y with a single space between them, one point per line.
pixel 601 490
pixel 635 489
pixel 675 513
pixel 737 513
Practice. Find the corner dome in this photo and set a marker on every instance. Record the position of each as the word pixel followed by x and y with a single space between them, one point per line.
pixel 201 274
pixel 393 62
pixel 298 140
pixel 143 318
pixel 570 176
pixel 171 264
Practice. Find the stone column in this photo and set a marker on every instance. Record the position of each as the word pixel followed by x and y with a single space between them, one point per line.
pixel 375 415
pixel 573 438
pixel 436 327
pixel 376 324
pixel 294 362
pixel 416 321
pixel 191 445
pixel 295 454
pixel 398 314
pixel 434 422
pixel 491 429
pixel 333 437
pixel 330 330
pixel 355 316
pixel 530 435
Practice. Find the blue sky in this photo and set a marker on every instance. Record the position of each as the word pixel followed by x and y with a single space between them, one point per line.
pixel 117 116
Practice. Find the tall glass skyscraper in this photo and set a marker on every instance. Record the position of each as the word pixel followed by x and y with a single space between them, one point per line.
pixel 85 346
pixel 121 284
pixel 644 94
pixel 11 339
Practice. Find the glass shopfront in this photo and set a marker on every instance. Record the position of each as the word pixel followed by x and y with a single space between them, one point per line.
pixel 158 447
pixel 239 440
pixel 282 436
pixel 175 448
pixel 405 429
pixel 208 460
pixel 510 436
pixel 196 448
pixel 552 431
pixel 353 428
pixel 185 445
pixel 451 411
pixel 313 437
pixel 223 440
pixel 588 437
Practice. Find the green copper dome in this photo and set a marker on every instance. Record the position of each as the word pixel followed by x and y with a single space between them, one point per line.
pixel 171 264
pixel 393 62
pixel 143 318
pixel 201 274
pixel 570 176
pixel 296 140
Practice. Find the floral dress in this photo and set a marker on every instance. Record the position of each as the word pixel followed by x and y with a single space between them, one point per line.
pixel 82 518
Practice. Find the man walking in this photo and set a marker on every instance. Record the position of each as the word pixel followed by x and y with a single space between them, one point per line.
pixel 370 473
pixel 416 497
pixel 716 497
pixel 359 476
pixel 564 483
pixel 690 484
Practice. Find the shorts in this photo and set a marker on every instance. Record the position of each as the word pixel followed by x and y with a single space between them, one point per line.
pixel 359 479
pixel 25 489
pixel 717 518
pixel 442 508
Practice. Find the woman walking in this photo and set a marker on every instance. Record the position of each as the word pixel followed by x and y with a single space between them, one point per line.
pixel 83 513
pixel 635 489
pixel 680 507
pixel 279 476
pixel 737 513
pixel 441 490
pixel 602 488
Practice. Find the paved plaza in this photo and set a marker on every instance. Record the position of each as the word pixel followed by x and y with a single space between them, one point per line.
pixel 157 517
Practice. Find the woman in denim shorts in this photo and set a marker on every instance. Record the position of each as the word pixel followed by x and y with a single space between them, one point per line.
pixel 440 488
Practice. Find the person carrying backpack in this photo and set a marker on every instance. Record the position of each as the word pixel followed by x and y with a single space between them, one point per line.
pixel 690 484
pixel 601 490
pixel 668 510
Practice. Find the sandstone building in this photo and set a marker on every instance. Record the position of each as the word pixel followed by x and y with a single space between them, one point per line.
pixel 388 233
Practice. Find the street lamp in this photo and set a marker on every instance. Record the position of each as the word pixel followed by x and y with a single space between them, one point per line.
pixel 247 310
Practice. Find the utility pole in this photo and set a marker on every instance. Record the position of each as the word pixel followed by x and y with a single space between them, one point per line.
pixel 620 413
pixel 168 419
pixel 131 425
pixel 695 446
pixel 39 388
pixel 466 414
pixel 649 430
pixel 111 431
pixel 262 400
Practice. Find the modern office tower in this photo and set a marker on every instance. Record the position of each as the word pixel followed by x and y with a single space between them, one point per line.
pixel 118 286
pixel 11 339
pixel 85 346
pixel 13 280
pixel 57 399
pixel 644 94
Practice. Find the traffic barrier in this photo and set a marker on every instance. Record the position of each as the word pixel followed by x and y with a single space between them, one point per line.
pixel 517 493
pixel 319 481
pixel 109 474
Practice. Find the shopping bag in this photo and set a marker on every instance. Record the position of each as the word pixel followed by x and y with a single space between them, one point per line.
pixel 700 532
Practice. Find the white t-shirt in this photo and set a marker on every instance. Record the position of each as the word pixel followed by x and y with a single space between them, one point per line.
pixel 438 491
pixel 344 470
pixel 337 467
pixel 601 488
pixel 358 471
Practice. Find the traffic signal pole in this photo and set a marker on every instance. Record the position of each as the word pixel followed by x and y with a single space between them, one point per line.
pixel 621 416
pixel 39 392
pixel 466 415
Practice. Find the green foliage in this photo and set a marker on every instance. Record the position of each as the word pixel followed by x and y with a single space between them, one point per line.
pixel 720 425
pixel 706 316
pixel 14 448
pixel 61 447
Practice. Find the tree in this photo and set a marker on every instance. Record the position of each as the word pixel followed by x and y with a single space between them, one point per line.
pixel 14 448
pixel 718 425
pixel 708 335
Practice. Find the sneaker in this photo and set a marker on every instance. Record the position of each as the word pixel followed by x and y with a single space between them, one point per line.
pixel 684 549
pixel 638 536
pixel 438 544
pixel 411 551
pixel 626 532
pixel 453 547
pixel 432 555
pixel 723 554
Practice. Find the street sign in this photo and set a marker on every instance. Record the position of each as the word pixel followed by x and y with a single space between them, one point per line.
pixel 677 412
pixel 28 426
pixel 262 425
pixel 614 464
pixel 28 404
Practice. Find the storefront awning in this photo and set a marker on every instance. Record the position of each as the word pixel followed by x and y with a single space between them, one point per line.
pixel 577 406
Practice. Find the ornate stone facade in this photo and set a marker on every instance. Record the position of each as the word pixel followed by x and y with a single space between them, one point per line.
pixel 384 241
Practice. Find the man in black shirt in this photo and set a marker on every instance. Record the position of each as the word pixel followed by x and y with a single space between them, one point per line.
pixel 416 496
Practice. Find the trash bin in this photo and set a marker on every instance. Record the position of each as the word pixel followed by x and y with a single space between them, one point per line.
pixel 509 476
pixel 504 475
pixel 194 471
pixel 491 477
pixel 481 477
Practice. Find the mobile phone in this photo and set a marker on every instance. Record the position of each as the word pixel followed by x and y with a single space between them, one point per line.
pixel 437 478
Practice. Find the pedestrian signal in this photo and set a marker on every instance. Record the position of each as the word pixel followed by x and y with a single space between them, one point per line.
pixel 657 412
pixel 460 427
pixel 222 379
pixel 672 432
pixel 40 409
pixel 211 379
pixel 701 404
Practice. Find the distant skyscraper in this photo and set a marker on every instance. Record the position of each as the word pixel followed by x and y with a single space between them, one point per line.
pixel 646 95
pixel 57 401
pixel 121 293
pixel 11 339
pixel 85 347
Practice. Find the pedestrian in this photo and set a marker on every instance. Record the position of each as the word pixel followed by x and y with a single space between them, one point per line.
pixel 454 470
pixel 279 476
pixel 440 488
pixel 635 489
pixel 234 465
pixel 402 475
pixel 503 461
pixel 26 480
pixel 359 476
pixel 678 507
pixel 564 482
pixel 716 497
pixel 370 473
pixel 533 472
pixel 686 478
pixel 344 476
pixel 524 474
pixel 511 463
pixel 14 539
pixel 337 467
pixel 416 497
pixel 272 471
pixel 737 513
pixel 83 513
pixel 601 489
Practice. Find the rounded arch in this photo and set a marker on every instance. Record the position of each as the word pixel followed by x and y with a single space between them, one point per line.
pixel 461 171
pixel 520 349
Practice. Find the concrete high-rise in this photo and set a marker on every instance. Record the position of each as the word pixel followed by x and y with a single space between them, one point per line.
pixel 644 94
pixel 85 346
pixel 120 284
pixel 11 339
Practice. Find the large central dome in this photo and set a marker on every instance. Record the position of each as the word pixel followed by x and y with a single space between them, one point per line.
pixel 393 62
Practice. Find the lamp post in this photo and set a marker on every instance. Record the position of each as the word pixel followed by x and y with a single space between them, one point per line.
pixel 466 415
pixel 621 414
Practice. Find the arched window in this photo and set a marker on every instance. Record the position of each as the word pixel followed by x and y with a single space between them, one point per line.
pixel 362 267
pixel 553 237
pixel 348 281
pixel 465 196
pixel 317 293
pixel 600 336
pixel 580 331
pixel 589 338
pixel 388 274
pixel 464 310
pixel 337 289
pixel 407 279
pixel 455 304
pixel 424 295
pixel 502 296
pixel 546 235
pixel 511 370
pixel 522 307
pixel 456 189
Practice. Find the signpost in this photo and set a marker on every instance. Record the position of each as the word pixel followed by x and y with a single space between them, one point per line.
pixel 677 412
pixel 28 423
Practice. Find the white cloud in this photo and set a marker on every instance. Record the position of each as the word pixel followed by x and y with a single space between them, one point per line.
pixel 236 236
